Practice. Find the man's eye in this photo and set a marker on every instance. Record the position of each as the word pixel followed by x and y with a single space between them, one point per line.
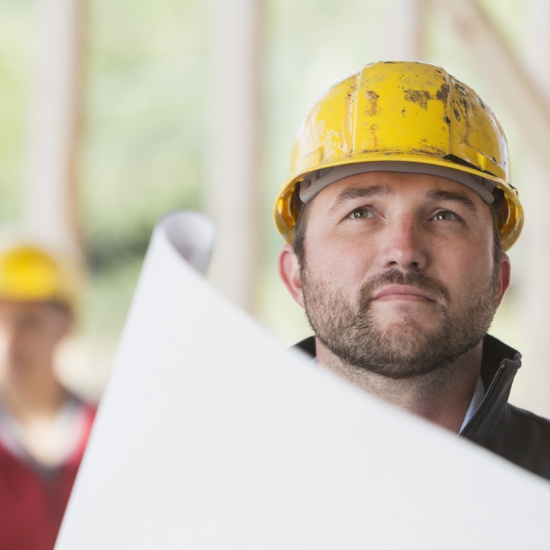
pixel 361 213
pixel 446 215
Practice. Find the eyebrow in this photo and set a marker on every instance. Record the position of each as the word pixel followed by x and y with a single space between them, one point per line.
pixel 353 193
pixel 360 193
pixel 454 197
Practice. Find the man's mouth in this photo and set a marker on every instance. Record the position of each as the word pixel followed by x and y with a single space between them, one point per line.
pixel 407 293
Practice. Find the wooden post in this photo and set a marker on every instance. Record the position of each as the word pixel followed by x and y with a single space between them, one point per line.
pixel 404 21
pixel 50 209
pixel 232 193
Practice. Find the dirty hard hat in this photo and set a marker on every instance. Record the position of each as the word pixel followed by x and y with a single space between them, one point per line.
pixel 403 117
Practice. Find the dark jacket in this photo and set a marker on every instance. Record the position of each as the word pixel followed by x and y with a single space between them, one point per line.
pixel 515 434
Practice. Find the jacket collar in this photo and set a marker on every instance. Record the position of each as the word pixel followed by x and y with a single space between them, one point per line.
pixel 499 366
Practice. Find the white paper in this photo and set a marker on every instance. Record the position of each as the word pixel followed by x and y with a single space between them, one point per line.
pixel 212 435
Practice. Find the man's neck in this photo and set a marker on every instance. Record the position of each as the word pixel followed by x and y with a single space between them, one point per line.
pixel 442 396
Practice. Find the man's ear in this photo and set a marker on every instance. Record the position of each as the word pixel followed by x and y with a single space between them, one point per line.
pixel 504 275
pixel 289 271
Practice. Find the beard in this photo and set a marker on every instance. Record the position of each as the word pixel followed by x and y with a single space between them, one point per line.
pixel 404 348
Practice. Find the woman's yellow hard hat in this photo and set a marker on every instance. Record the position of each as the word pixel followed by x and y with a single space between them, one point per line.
pixel 31 273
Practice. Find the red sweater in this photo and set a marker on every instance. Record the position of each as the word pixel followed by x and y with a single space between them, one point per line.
pixel 32 501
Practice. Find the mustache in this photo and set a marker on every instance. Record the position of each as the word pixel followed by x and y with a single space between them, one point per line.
pixel 409 278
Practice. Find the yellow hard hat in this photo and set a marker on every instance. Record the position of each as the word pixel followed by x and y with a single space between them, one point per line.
pixel 31 273
pixel 407 112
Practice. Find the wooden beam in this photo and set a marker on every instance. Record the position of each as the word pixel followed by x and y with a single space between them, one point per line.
pixel 50 209
pixel 523 96
pixel 232 193
pixel 405 22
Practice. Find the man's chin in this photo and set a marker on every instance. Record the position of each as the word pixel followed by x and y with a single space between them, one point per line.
pixel 405 303
pixel 399 323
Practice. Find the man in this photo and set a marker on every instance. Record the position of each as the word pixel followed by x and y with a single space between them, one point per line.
pixel 43 427
pixel 397 216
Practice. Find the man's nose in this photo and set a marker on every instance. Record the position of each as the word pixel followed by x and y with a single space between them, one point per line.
pixel 403 246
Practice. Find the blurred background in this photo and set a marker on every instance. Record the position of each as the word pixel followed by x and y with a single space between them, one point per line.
pixel 114 113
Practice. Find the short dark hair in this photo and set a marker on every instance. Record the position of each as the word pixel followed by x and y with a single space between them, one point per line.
pixel 300 233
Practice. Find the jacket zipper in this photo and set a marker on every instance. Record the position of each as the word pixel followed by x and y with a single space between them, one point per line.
pixel 486 397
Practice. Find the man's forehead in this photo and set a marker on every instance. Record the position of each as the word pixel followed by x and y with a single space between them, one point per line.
pixel 317 181
pixel 388 184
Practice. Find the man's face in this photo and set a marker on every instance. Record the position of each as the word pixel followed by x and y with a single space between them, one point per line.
pixel 399 275
pixel 29 335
